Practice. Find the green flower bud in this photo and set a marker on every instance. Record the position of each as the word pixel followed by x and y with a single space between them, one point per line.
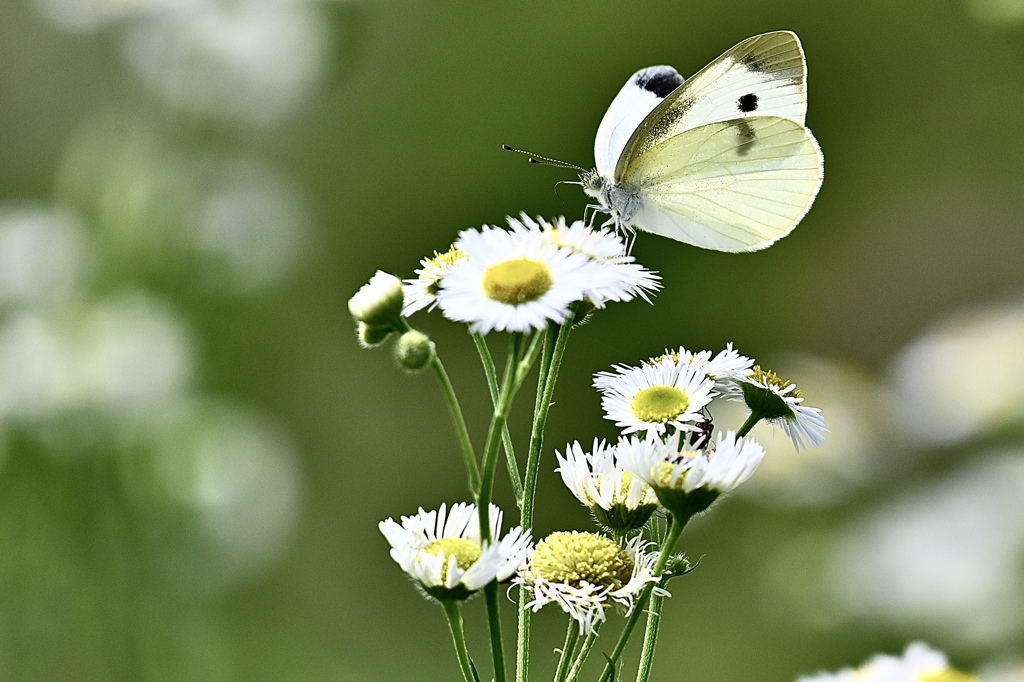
pixel 379 302
pixel 371 337
pixel 413 350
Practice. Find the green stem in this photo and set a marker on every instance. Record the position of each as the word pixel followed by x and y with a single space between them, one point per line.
pixel 451 609
pixel 581 657
pixel 572 635
pixel 650 637
pixel 749 424
pixel 468 456
pixel 554 349
pixel 501 410
pixel 491 593
pixel 506 439
pixel 675 529
pixel 540 419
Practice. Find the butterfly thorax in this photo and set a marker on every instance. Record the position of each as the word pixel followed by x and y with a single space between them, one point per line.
pixel 619 201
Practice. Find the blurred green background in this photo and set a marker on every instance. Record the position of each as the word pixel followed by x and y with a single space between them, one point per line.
pixel 195 454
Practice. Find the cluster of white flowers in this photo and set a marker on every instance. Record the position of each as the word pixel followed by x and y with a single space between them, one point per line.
pixel 669 459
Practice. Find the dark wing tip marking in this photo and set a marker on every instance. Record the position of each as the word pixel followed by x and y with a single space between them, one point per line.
pixel 660 80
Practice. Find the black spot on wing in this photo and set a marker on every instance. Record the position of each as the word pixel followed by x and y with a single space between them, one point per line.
pixel 747 103
pixel 660 80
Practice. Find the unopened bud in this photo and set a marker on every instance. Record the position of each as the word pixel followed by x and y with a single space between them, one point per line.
pixel 371 337
pixel 378 303
pixel 413 350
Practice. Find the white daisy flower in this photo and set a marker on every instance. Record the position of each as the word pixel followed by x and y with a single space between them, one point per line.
pixel 655 395
pixel 725 367
pixel 620 277
pixel 919 663
pixel 779 403
pixel 444 553
pixel 421 291
pixel 378 303
pixel 585 573
pixel 619 501
pixel 513 281
pixel 688 481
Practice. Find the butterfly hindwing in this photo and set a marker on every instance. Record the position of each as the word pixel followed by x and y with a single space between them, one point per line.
pixel 762 76
pixel 736 185
pixel 644 90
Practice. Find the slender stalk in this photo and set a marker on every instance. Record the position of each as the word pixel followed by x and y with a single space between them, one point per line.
pixel 459 422
pixel 501 410
pixel 572 635
pixel 675 529
pixel 548 375
pixel 540 419
pixel 584 652
pixel 749 424
pixel 506 439
pixel 491 595
pixel 650 637
pixel 451 609
pixel 498 419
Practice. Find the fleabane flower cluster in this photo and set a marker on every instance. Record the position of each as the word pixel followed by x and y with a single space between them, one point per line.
pixel 585 574
pixel 443 551
pixel 522 278
pixel 919 663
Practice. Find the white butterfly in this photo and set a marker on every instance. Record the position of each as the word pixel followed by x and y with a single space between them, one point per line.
pixel 721 161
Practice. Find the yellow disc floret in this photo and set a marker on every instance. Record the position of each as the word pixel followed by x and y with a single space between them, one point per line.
pixel 948 675
pixel 573 558
pixel 466 553
pixel 517 281
pixel 659 404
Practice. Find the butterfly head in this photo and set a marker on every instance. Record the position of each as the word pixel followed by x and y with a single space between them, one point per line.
pixel 593 183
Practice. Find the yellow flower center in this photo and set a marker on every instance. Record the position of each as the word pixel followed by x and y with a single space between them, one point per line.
pixel 442 261
pixel 659 404
pixel 665 470
pixel 466 552
pixel 518 281
pixel 573 558
pixel 766 376
pixel 948 675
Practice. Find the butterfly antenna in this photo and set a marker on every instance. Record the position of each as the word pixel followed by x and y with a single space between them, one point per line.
pixel 544 160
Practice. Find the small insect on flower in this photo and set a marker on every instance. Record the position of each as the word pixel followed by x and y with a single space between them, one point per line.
pixel 618 500
pixel 688 481
pixel 666 392
pixel 779 402
pixel 444 553
pixel 585 574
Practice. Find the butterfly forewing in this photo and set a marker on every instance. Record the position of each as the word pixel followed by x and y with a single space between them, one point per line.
pixel 644 90
pixel 735 185
pixel 761 76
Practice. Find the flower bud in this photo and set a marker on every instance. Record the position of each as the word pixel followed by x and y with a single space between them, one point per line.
pixel 378 303
pixel 413 350
pixel 371 337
